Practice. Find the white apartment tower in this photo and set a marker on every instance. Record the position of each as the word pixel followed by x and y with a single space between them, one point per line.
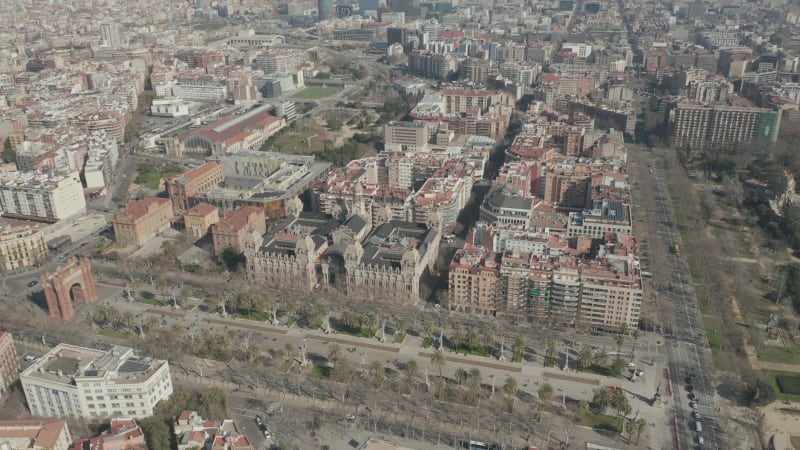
pixel 42 196
pixel 83 382
pixel 111 36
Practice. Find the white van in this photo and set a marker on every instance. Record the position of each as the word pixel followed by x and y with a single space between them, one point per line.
pixel 698 426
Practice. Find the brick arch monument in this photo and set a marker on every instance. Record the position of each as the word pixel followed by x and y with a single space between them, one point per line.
pixel 71 283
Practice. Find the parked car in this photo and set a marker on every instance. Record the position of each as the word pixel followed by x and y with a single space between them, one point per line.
pixel 33 283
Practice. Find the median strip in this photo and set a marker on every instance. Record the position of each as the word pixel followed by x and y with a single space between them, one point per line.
pixel 354 343
pixel 489 365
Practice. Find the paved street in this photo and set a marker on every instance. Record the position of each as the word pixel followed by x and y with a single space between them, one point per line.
pixel 685 348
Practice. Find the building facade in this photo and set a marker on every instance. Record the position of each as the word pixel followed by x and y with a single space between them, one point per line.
pixel 22 244
pixel 142 220
pixel 94 384
pixel 181 187
pixel 9 362
pixel 232 230
pixel 199 219
pixel 43 197
pixel 406 136
pixel 702 128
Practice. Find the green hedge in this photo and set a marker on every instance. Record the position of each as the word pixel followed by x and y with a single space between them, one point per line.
pixel 789 384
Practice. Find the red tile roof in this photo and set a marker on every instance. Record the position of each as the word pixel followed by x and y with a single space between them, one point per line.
pixel 201 209
pixel 135 210
pixel 44 433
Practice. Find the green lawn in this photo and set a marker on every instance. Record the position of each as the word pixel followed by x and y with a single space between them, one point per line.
pixel 150 176
pixel 291 321
pixel 359 332
pixel 315 92
pixel 602 421
pixel 786 355
pixel 786 376
pixel 427 343
pixel 116 334
pixel 155 302
pixel 601 370
pixel 399 339
pixel 321 372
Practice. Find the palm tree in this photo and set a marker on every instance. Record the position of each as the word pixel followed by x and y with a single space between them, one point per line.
pixel 636 335
pixel 518 347
pixel 334 354
pixel 620 338
pixel 401 325
pixel 411 369
pixel 584 358
pixel 428 328
pixel 378 372
pixel 583 407
pixel 472 338
pixel 618 365
pixel 161 285
pixel 457 339
pixel 602 397
pixel 438 360
pixel 545 392
pixel 291 306
pixel 511 387
pixel 619 401
pixel 550 354
pixel 461 375
pixel 215 301
pixel 639 427
pixel 601 357
pixel 487 340
pixel 475 378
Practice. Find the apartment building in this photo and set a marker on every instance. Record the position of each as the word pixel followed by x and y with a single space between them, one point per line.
pixel 702 128
pixel 141 220
pixel 108 121
pixel 606 217
pixel 36 196
pixel 9 362
pixel 231 231
pixel 279 60
pixel 474 281
pixel 38 434
pixel 506 208
pixel 22 244
pixel 95 384
pixel 440 200
pixel 461 100
pixel 611 295
pixel 181 187
pixel 407 136
pixel 199 90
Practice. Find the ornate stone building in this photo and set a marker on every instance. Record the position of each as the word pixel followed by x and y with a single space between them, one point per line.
pixel 319 251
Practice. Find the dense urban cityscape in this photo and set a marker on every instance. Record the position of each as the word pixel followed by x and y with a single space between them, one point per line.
pixel 399 225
